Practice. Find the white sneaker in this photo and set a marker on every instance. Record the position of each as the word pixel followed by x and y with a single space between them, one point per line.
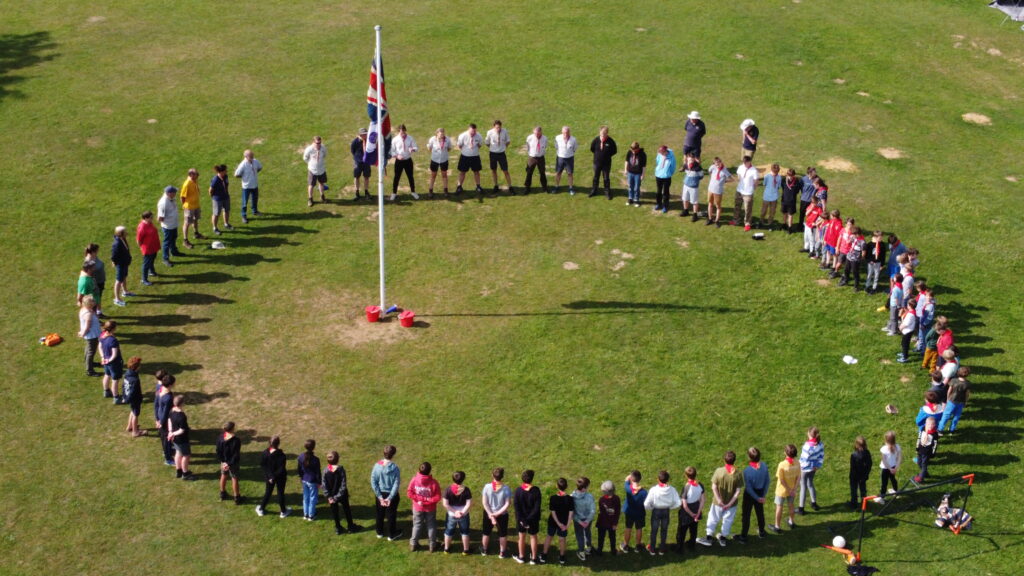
pixel 879 500
pixel 286 512
pixel 119 303
pixel 393 197
pixel 259 511
pixel 415 196
pixel 703 541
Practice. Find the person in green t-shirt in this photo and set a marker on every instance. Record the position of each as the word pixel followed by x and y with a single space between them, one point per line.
pixel 86 284
pixel 726 485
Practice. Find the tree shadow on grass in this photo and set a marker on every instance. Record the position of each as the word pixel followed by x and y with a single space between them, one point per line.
pixel 19 51
pixel 581 307
pixel 164 338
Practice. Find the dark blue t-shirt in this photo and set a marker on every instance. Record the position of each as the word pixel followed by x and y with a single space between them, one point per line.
pixel 754 133
pixel 219 187
pixel 107 345
pixel 694 133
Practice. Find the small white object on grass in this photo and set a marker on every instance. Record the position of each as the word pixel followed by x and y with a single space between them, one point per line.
pixel 217 245
pixel 849 359
pixel 839 542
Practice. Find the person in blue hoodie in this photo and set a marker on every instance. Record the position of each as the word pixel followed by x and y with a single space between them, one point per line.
pixel 384 481
pixel 755 482
pixel 664 168
pixel 584 509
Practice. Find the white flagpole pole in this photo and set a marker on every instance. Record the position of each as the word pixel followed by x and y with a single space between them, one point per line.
pixel 380 170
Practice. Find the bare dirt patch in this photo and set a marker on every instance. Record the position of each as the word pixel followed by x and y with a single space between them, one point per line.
pixel 863 93
pixel 598 242
pixel 640 29
pixel 682 243
pixel 96 19
pixel 905 378
pixel 1011 179
pixel 839 80
pixel 994 52
pixel 975 118
pixel 619 265
pixel 886 361
pixel 740 57
pixel 258 141
pixel 372 216
pixel 823 282
pixel 838 164
pixel 94 142
pixel 891 153
pixel 151 121
pixel 798 63
pixel 570 266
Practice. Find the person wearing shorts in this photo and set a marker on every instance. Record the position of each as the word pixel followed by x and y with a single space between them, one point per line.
pixel 750 136
pixel 315 157
pixel 634 511
pixel 121 256
pixel 560 515
pixel 457 501
pixel 692 175
pixel 190 210
pixel 132 387
pixel 496 497
pixel 497 141
pixel 787 476
pixel 565 158
pixel 220 198
pixel 772 185
pixel 178 433
pixel 229 453
pixel 536 147
pixel 112 360
pixel 469 143
pixel 718 177
pixel 360 167
pixel 527 506
pixel 791 188
pixel 440 147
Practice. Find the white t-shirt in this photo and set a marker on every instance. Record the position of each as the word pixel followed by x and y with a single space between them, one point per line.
pixel 439 149
pixel 891 458
pixel 716 178
pixel 497 140
pixel 536 147
pixel 470 145
pixel 402 147
pixel 949 370
pixel 565 148
pixel 315 159
pixel 167 209
pixel 748 180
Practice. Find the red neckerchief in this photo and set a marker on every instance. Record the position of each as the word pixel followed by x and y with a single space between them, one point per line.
pixel 662 484
pixel 755 465
pixel 930 406
pixel 561 493
pixel 227 435
pixel 526 487
pixel 776 180
pixel 381 462
pixel 635 487
pixel 789 459
pixel 456 488
pixel 331 467
pixel 495 485
pixel 606 496
pixel 692 483
pixel 729 468
pixel 602 143
pixel 812 441
pixel 718 174
pixel 933 431
pixel 878 249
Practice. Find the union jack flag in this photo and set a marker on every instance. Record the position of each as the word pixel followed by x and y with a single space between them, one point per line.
pixel 372 102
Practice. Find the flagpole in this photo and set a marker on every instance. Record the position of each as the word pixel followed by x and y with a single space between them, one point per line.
pixel 380 169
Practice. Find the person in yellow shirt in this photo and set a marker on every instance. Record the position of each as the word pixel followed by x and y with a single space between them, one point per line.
pixel 788 478
pixel 190 205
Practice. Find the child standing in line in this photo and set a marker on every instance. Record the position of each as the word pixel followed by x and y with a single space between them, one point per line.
pixel 895 298
pixel 693 174
pixel 633 508
pixel 496 498
pixel 927 446
pixel 892 458
pixel 424 492
pixel 559 519
pixel 726 486
pixel 178 432
pixel 790 191
pixel 956 398
pixel 821 192
pixel 854 255
pixel 874 254
pixel 691 508
pixel 274 464
pixel 811 217
pixel 755 481
pixel 769 200
pixel 925 311
pixel 457 501
pixel 787 477
pixel 812 457
pixel 89 330
pixel 112 360
pixel 583 508
pixel 527 503
pixel 309 473
pixel 933 407
pixel 860 471
pixel 336 491
pixel 931 343
pixel 229 454
pixel 132 388
pixel 385 479
pixel 661 499
pixel 831 237
pixel 842 247
pixel 908 327
pixel 609 507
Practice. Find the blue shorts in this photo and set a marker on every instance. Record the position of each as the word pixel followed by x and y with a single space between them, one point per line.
pixel 121 271
pixel 115 371
pixel 452 524
pixel 566 164
pixel 830 249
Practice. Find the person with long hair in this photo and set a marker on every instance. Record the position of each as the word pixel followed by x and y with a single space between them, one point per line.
pixel 89 330
pixel 274 464
pixel 121 256
pixel 309 474
pixel 133 395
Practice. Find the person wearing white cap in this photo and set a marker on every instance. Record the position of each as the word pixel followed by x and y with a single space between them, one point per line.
pixel 750 135
pixel 695 131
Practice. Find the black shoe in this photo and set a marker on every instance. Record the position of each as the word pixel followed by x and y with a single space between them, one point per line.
pixel 608 194
pixel 458 190
pixel 695 217
pixel 339 531
pixel 354 528
pixel 224 496
pixel 709 222
pixel 800 511
pixel 395 536
pixel 815 506
pixel 239 500
pixel 593 193
pixel 178 473
pixel 741 539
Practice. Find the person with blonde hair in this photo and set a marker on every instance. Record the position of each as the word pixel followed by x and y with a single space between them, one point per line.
pixel 121 256
pixel 89 330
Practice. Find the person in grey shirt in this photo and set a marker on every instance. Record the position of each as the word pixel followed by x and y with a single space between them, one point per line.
pixel 248 171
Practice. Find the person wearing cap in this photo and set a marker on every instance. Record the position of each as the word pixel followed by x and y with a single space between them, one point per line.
pixel 248 170
pixel 603 148
pixel 167 215
pixel 360 167
pixel 190 206
pixel 750 135
pixel 565 158
pixel 497 141
pixel 315 156
pixel 469 143
pixel 695 131
pixel 402 149
pixel 121 256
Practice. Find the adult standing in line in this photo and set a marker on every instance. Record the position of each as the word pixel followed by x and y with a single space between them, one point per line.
pixel 536 147
pixel 695 132
pixel 220 197
pixel 747 175
pixel 248 171
pixel 149 245
pixel 636 166
pixel 315 157
pixel 664 168
pixel 99 274
pixel 384 481
pixel 190 208
pixel 402 148
pixel 167 215
pixel 113 361
pixel 604 150
pixel 178 433
pixel 497 141
pixel 565 158
pixel 750 136
pixel 161 411
pixel 440 147
pixel 469 143
pixel 807 189
pixel 86 285
pixel 121 256
pixel 89 330
pixel 360 165
pixel 274 464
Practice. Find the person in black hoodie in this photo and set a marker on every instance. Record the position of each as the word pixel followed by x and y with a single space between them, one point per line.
pixel 274 463
pixel 860 471
pixel 604 149
pixel 121 256
pixel 875 256
pixel 229 453
pixel 636 163
pixel 336 490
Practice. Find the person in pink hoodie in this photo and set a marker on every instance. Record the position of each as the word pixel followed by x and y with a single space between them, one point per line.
pixel 424 492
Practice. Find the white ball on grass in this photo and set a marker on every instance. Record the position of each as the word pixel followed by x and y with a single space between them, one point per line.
pixel 839 542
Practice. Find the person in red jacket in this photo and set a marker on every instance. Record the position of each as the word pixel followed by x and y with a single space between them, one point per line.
pixel 831 238
pixel 424 492
pixel 149 244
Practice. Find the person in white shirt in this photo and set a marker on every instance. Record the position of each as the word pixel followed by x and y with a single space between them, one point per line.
pixel 167 215
pixel 402 148
pixel 469 144
pixel 536 146
pixel 248 170
pixel 439 146
pixel 315 157
pixel 497 141
pixel 565 151
pixel 747 176
pixel 718 176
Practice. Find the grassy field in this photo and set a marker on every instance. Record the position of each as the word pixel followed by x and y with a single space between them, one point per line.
pixel 670 343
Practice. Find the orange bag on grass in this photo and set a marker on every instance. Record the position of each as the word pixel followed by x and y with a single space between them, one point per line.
pixel 52 339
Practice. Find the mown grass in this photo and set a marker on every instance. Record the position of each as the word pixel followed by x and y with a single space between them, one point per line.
pixel 679 355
